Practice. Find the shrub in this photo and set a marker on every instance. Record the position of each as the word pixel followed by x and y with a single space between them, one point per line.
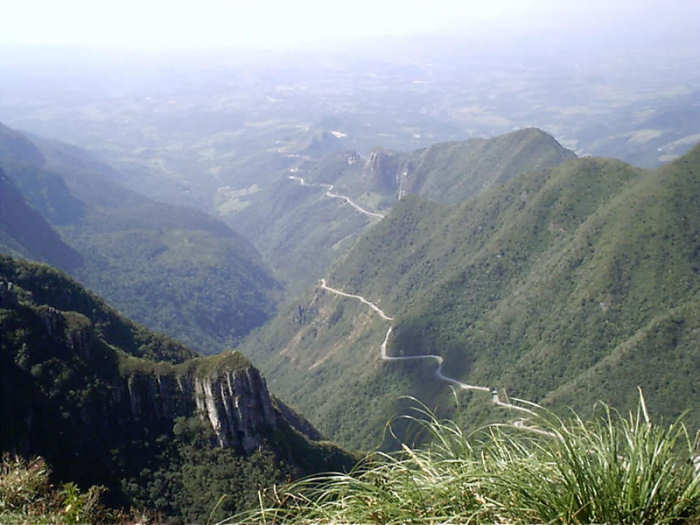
pixel 27 496
pixel 22 482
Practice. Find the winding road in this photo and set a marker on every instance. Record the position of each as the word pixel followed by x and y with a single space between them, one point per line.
pixel 495 397
pixel 329 193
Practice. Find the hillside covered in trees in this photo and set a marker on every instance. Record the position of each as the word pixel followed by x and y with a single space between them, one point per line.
pixel 562 286
pixel 172 268
pixel 107 402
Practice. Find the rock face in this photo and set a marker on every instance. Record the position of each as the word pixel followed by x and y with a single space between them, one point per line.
pixel 236 403
pixel 238 407
pixel 224 391
pixel 382 171
pixel 7 296
pixel 108 403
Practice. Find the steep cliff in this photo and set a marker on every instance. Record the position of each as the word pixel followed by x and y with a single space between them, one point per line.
pixel 382 171
pixel 103 413
pixel 224 391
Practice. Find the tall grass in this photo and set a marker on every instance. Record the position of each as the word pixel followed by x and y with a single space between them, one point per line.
pixel 27 497
pixel 610 469
pixel 22 483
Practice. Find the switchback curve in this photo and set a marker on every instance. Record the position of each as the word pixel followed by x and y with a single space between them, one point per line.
pixel 495 397
pixel 329 193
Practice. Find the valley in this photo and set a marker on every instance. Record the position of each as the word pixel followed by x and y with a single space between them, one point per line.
pixel 171 267
pixel 467 291
pixel 393 263
pixel 479 288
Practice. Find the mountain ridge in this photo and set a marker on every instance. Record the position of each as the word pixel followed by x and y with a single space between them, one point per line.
pixel 25 232
pixel 108 402
pixel 526 286
pixel 151 259
pixel 299 231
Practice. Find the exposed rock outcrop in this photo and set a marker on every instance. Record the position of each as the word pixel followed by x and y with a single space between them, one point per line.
pixel 106 402
pixel 382 170
pixel 234 402
pixel 238 406
pixel 51 318
pixel 145 397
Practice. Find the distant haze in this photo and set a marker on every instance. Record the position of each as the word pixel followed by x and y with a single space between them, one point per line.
pixel 177 25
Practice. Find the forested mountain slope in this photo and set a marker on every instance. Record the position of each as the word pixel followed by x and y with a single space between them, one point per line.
pixel 300 231
pixel 173 268
pixel 449 172
pixel 25 233
pixel 562 286
pixel 108 402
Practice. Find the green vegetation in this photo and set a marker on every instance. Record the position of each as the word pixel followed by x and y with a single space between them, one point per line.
pixel 610 469
pixel 200 367
pixel 454 171
pixel 563 286
pixel 180 475
pixel 47 285
pixel 25 233
pixel 186 283
pixel 448 172
pixel 170 267
pixel 300 232
pixel 183 476
pixel 27 496
pixel 108 403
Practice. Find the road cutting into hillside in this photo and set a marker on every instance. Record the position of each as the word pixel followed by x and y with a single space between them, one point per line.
pixel 330 194
pixel 373 306
pixel 495 397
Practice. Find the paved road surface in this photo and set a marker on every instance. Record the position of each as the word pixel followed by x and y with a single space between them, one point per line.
pixel 496 399
pixel 330 194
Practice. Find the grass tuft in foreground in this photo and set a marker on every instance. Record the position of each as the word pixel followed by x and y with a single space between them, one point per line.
pixel 611 469
pixel 27 496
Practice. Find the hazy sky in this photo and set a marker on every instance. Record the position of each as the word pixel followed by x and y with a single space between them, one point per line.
pixel 174 24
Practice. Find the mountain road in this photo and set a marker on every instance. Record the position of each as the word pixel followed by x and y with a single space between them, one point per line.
pixel 496 399
pixel 329 193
